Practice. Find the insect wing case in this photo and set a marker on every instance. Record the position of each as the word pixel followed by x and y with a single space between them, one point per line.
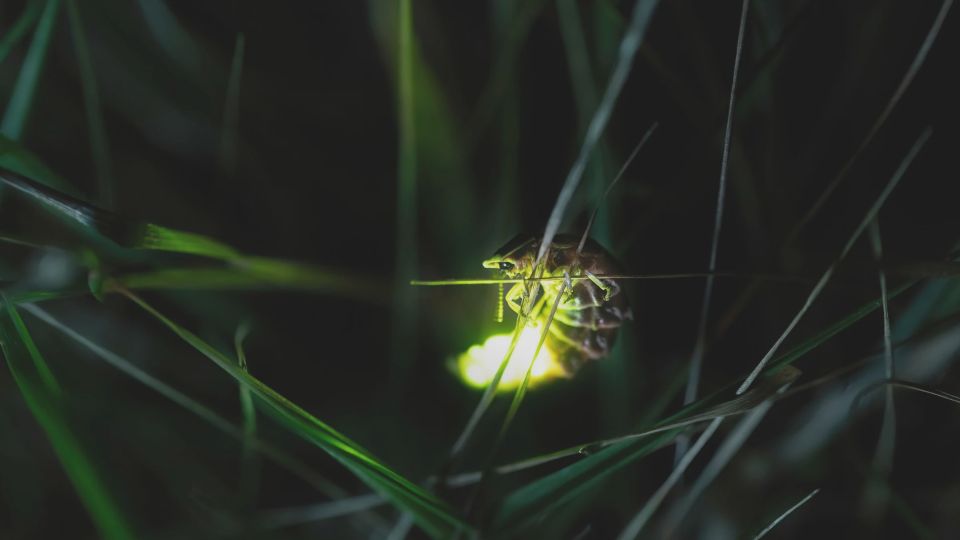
pixel 589 315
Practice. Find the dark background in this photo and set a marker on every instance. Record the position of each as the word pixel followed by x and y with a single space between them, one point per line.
pixel 498 124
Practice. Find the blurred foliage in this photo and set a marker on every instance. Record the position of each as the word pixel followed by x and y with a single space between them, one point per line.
pixel 287 168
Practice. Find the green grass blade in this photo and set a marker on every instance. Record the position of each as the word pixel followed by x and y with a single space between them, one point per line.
pixel 292 464
pixel 249 473
pixel 18 108
pixel 44 403
pixel 429 512
pixel 19 29
pixel 404 323
pixel 91 102
pixel 255 273
pixel 229 137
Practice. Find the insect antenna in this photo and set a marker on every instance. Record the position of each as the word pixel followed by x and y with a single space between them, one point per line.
pixel 500 302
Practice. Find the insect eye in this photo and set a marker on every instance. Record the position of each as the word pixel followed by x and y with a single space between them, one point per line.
pixel 505 266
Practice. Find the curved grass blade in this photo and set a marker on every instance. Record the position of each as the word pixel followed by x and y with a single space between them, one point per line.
pixel 91 102
pixel 241 272
pixel 429 512
pixel 18 108
pixel 19 29
pixel 43 398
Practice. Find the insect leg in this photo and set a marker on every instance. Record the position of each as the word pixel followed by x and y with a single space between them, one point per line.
pixel 608 289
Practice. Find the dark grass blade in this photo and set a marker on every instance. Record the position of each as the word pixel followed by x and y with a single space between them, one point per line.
pixel 429 513
pixel 11 38
pixel 21 101
pixel 786 513
pixel 901 89
pixel 696 360
pixel 404 323
pixel 40 391
pixel 281 458
pixel 249 465
pixel 642 14
pixel 229 135
pixel 238 272
pixel 828 273
pixel 551 491
pixel 91 101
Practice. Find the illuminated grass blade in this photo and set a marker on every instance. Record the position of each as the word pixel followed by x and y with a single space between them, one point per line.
pixel 553 490
pixel 39 390
pixel 91 102
pixel 429 513
pixel 18 108
pixel 257 273
pixel 11 38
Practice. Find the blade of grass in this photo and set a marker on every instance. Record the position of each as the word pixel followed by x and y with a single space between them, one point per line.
pixel 725 453
pixel 901 89
pixel 642 14
pixel 25 89
pixel 551 491
pixel 430 513
pixel 875 499
pixel 229 137
pixel 783 516
pixel 11 38
pixel 292 464
pixel 43 398
pixel 633 528
pixel 404 323
pixel 286 517
pixel 250 467
pixel 828 273
pixel 91 102
pixel 696 360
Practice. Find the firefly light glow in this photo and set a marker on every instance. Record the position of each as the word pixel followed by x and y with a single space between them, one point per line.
pixel 479 364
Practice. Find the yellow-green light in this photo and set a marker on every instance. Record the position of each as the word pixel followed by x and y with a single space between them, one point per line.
pixel 478 365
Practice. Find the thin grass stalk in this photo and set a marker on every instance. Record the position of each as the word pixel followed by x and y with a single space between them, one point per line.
pixel 828 273
pixel 25 90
